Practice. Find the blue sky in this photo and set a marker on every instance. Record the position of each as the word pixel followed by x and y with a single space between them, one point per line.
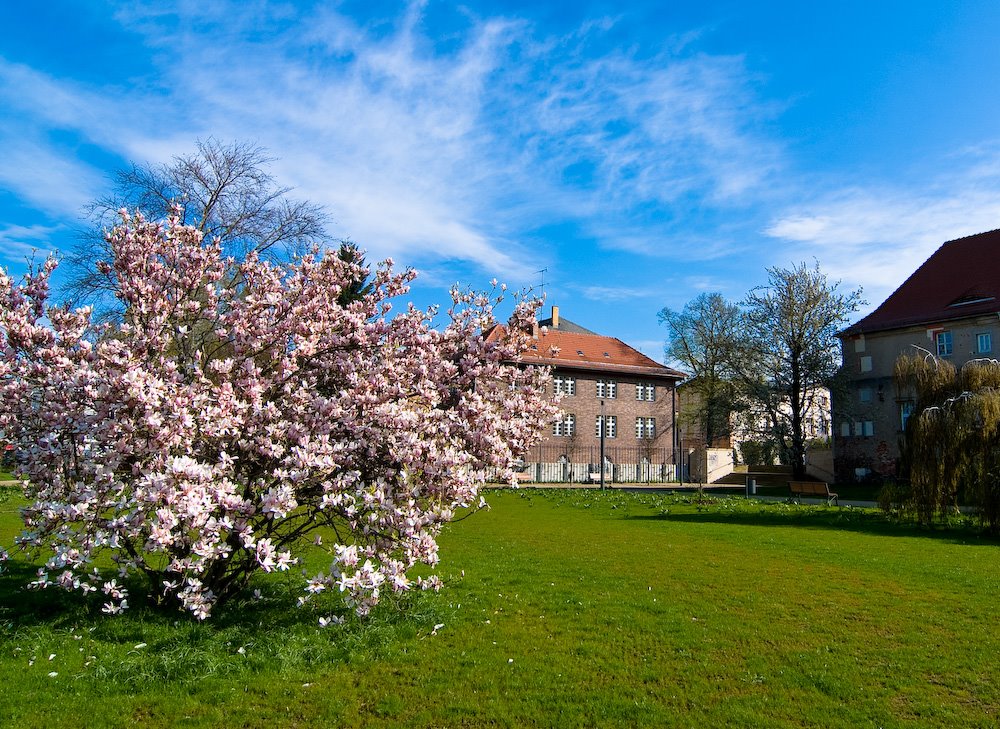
pixel 641 153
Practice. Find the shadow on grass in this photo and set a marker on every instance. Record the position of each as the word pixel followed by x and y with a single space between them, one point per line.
pixel 150 644
pixel 841 519
pixel 277 609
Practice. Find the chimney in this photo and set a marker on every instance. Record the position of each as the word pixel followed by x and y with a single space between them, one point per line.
pixel 555 317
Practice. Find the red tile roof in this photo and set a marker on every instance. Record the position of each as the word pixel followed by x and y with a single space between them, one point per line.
pixel 592 352
pixel 961 279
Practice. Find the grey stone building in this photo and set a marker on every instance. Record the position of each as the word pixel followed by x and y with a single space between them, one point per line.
pixel 949 307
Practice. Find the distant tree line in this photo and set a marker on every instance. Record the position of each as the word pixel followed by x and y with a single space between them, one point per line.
pixel 762 360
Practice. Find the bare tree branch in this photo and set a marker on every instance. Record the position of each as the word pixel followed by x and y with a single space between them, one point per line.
pixel 225 190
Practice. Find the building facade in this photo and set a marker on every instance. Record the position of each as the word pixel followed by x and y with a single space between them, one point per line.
pixel 606 388
pixel 950 308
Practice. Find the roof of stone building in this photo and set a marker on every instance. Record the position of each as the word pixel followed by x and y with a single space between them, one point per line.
pixel 960 280
pixel 564 325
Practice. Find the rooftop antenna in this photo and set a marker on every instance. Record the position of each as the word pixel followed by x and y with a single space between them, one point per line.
pixel 541 274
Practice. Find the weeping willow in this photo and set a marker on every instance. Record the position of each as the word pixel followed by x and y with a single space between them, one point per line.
pixel 951 449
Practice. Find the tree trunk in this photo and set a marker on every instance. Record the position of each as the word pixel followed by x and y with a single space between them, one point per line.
pixel 797 446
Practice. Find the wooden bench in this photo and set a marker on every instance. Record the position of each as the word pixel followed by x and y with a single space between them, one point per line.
pixel 816 489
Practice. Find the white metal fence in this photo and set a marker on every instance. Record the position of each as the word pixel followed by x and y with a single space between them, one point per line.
pixel 548 464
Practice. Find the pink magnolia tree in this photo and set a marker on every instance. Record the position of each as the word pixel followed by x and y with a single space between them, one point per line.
pixel 241 406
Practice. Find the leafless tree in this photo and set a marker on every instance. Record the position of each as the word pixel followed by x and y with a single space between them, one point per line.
pixel 702 338
pixel 223 189
pixel 789 354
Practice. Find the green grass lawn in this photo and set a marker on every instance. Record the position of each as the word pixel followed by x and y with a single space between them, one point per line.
pixel 561 608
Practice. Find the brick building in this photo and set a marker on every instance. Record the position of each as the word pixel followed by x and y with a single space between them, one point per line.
pixel 605 385
pixel 949 307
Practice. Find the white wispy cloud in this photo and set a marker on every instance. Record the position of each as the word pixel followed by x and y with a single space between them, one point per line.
pixel 708 284
pixel 612 294
pixel 423 151
pixel 44 177
pixel 876 237
pixel 19 243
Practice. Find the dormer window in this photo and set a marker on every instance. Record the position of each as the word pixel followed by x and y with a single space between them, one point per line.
pixel 971 299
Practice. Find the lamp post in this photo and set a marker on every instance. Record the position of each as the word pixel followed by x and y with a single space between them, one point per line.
pixel 678 472
pixel 604 425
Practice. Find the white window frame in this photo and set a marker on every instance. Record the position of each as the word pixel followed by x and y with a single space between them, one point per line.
pixel 645 428
pixel 564 427
pixel 984 338
pixel 612 421
pixel 905 413
pixel 645 392
pixel 945 343
pixel 607 389
pixel 564 385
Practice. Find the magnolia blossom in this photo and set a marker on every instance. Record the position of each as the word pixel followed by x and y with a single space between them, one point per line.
pixel 239 406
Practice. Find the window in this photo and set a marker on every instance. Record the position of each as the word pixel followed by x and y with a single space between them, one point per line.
pixel 564 385
pixel 612 425
pixel 607 388
pixel 984 343
pixel 845 430
pixel 645 392
pixel 865 394
pixel 859 344
pixel 866 364
pixel 645 428
pixel 565 426
pixel 944 347
pixel 905 411
pixel 866 427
